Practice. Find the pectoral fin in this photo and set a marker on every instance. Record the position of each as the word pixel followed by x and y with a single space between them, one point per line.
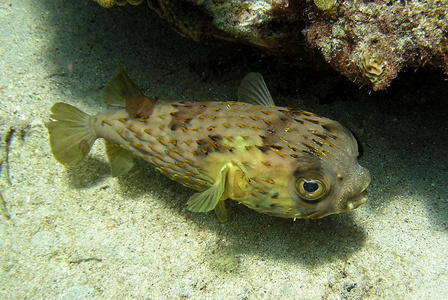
pixel 207 200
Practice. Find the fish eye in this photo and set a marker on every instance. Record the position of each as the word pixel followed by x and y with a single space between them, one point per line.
pixel 310 189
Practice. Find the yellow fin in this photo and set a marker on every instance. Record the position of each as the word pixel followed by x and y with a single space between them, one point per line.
pixel 221 211
pixel 120 159
pixel 120 88
pixel 71 135
pixel 253 90
pixel 207 200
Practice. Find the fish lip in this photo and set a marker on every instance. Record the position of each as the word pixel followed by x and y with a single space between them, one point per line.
pixel 357 200
pixel 352 203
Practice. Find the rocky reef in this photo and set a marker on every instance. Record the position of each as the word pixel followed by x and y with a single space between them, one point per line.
pixel 369 41
pixel 110 3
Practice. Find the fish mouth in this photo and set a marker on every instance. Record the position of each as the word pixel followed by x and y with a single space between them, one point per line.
pixel 357 200
pixel 352 203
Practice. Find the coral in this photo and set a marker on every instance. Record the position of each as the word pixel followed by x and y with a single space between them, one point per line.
pixel 374 69
pixel 369 41
pixel 110 3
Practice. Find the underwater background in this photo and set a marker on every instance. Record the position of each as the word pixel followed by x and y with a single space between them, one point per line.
pixel 78 233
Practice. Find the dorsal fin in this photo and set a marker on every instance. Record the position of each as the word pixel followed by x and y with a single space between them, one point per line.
pixel 253 90
pixel 120 88
pixel 121 91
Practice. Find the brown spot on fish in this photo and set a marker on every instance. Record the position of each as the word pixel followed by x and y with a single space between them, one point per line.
pixel 293 148
pixel 215 138
pixel 311 120
pixel 317 142
pixel 214 145
pixel 174 127
pixel 261 191
pixel 277 147
pixel 321 136
pixel 261 148
pixel 328 128
pixel 189 162
pixel 253 118
pixel 161 127
pixel 169 152
pixel 262 137
pixel 331 135
pixel 200 142
pixel 299 121
pixel 210 128
pixel 240 125
pixel 266 163
pixel 247 147
pixel 201 181
pixel 267 122
pixel 212 117
pixel 173 142
pixel 190 109
pixel 184 129
pixel 190 173
pixel 122 120
pixel 268 180
pixel 177 152
pixel 140 106
pixel 278 152
pixel 274 196
pixel 195 129
pixel 216 109
pixel 309 147
pixel 229 138
pixel 254 127
pixel 266 112
pixel 229 148
pixel 161 141
pixel 139 146
pixel 171 166
pixel 188 143
pixel 193 152
pixel 225 125
pixel 245 163
pixel 245 137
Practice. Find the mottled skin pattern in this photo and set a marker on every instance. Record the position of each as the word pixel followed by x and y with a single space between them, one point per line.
pixel 270 147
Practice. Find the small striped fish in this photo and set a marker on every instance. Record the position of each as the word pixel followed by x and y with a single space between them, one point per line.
pixel 278 161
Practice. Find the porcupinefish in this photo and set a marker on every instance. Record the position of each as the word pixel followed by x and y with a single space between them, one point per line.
pixel 276 160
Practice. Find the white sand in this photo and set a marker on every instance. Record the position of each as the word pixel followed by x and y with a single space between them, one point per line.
pixel 77 233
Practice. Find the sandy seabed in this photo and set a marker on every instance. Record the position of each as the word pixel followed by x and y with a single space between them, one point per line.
pixel 77 233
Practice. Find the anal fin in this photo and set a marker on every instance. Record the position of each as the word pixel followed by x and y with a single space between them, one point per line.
pixel 120 159
pixel 221 211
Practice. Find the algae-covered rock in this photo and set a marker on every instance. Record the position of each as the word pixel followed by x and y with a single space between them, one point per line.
pixel 110 3
pixel 369 41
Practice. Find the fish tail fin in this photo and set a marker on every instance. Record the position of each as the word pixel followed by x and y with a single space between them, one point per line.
pixel 71 133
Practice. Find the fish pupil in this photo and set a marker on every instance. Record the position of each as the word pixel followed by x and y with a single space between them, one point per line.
pixel 310 186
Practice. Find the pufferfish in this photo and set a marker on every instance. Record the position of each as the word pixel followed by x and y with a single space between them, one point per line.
pixel 278 161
